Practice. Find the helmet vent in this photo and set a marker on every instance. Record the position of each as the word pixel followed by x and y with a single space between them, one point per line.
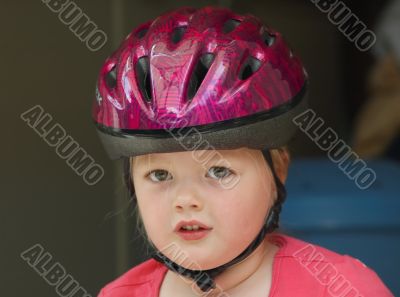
pixel 143 77
pixel 249 67
pixel 111 78
pixel 199 73
pixel 269 39
pixel 230 25
pixel 177 34
pixel 140 34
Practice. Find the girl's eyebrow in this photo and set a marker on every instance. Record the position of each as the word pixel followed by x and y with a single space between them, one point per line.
pixel 151 159
pixel 156 157
pixel 227 154
pixel 216 156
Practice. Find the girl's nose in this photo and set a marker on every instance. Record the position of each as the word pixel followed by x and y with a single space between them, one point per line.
pixel 187 199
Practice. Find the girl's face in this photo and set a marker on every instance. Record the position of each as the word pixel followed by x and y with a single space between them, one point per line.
pixel 230 191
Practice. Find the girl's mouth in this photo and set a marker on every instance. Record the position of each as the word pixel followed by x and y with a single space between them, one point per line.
pixel 192 230
pixel 193 234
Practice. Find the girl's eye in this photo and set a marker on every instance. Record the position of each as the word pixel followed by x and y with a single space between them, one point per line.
pixel 219 172
pixel 158 175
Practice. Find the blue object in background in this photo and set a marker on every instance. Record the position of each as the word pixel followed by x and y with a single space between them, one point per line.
pixel 326 208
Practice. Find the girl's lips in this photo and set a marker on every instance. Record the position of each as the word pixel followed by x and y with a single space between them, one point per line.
pixel 193 235
pixel 179 226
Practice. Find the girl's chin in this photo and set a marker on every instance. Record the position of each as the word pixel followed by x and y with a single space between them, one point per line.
pixel 200 257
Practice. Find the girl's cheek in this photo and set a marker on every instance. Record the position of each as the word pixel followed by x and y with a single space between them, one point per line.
pixel 244 209
pixel 152 206
pixel 225 208
pixel 153 192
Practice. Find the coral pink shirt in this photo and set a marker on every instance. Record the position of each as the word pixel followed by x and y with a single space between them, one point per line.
pixel 300 269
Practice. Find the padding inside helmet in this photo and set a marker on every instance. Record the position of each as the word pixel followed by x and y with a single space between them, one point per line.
pixel 111 78
pixel 230 25
pixel 177 34
pixel 199 73
pixel 249 67
pixel 143 77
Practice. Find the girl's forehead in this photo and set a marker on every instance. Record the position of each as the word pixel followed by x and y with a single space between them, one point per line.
pixel 198 155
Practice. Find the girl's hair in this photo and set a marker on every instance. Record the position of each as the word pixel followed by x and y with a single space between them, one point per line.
pixel 127 176
pixel 280 158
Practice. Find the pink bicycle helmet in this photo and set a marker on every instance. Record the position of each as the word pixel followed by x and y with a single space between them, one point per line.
pixel 192 78
pixel 207 71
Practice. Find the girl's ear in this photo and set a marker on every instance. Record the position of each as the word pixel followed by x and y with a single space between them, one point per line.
pixel 281 160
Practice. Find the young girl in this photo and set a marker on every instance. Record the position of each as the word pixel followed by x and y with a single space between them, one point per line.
pixel 199 103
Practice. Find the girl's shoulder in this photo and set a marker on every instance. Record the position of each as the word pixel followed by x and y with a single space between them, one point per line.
pixel 304 266
pixel 141 280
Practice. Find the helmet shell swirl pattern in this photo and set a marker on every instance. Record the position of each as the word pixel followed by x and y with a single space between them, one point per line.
pixel 225 74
